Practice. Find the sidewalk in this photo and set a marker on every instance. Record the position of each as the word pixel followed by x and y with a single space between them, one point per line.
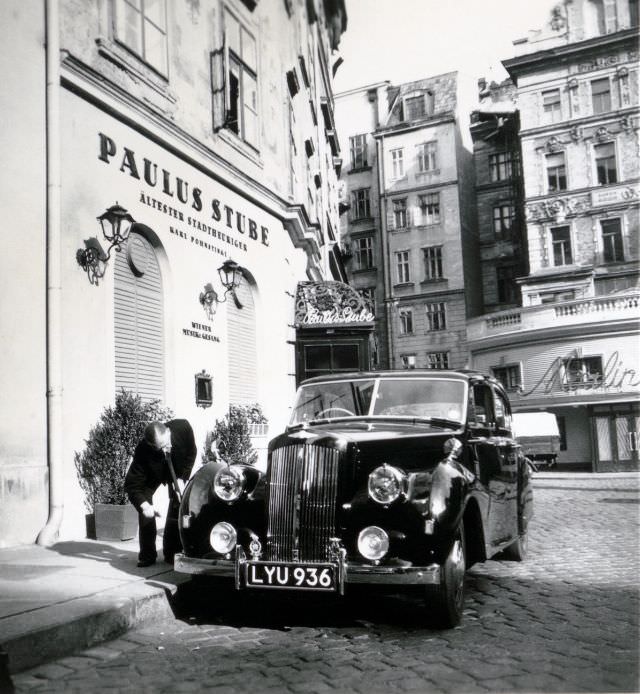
pixel 77 594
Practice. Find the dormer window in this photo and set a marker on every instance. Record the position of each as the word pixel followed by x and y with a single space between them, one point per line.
pixel 417 105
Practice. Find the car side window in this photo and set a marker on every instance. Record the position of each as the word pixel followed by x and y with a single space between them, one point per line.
pixel 503 413
pixel 481 411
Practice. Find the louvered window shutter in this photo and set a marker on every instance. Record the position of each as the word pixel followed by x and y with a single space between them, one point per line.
pixel 243 356
pixel 390 217
pixel 219 88
pixel 139 320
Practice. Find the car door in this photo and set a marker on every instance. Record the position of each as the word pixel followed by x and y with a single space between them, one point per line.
pixel 508 460
pixel 487 458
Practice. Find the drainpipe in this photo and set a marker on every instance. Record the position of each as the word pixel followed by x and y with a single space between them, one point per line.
pixel 384 246
pixel 49 534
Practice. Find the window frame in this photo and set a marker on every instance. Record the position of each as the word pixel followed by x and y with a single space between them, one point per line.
pixel 410 360
pixel 405 321
pixel 141 53
pixel 425 203
pixel 397 163
pixel 400 211
pixel 363 251
pixel 436 319
pixel 496 165
pixel 588 378
pixel 403 266
pixel 434 363
pixel 619 243
pixel 558 176
pixel 433 263
pixel 553 115
pixel 506 281
pixel 427 156
pixel 597 97
pixel 358 205
pixel 358 151
pixel 504 232
pixel 607 182
pixel 557 243
pixel 508 384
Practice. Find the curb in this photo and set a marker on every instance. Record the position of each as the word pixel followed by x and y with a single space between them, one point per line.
pixel 631 474
pixel 56 631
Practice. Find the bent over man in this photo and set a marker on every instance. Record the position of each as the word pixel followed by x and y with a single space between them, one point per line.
pixel 163 447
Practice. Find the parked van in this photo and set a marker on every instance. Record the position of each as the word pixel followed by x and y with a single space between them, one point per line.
pixel 539 436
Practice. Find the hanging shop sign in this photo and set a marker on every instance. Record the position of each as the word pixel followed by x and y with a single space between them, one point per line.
pixel 330 303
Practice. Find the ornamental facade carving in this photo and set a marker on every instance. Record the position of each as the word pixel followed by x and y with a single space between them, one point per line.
pixel 557 208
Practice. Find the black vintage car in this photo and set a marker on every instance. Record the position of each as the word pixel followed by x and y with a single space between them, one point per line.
pixel 396 477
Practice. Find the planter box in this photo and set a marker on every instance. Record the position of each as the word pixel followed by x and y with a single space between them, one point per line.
pixel 115 522
pixel 258 429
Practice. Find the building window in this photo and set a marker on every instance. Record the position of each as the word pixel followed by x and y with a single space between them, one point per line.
pixel 360 205
pixel 368 295
pixel 364 253
pixel 601 95
pixel 556 172
pixel 551 106
pixel 507 287
pixel 427 156
pixel 612 250
pixel 414 107
pixel 397 163
pixel 406 321
pixel 403 274
pixel 242 81
pixel 436 316
pixel 561 244
pixel 430 207
pixel 633 13
pixel 510 376
pixel 141 25
pixel 605 156
pixel 503 220
pixel 432 263
pixel 293 179
pixel 557 297
pixel 594 20
pixel 582 371
pixel 358 147
pixel 500 166
pixel 408 361
pixel 400 214
pixel 437 360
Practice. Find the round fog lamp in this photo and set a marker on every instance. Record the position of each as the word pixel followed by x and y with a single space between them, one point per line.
pixel 228 483
pixel 373 543
pixel 386 484
pixel 223 538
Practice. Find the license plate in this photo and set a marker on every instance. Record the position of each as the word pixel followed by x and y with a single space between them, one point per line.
pixel 299 576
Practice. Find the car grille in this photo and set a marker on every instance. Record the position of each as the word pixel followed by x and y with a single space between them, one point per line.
pixel 301 504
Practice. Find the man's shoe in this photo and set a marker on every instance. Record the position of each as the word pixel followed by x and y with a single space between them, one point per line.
pixel 146 562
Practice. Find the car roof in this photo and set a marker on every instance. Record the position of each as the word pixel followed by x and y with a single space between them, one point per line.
pixel 460 374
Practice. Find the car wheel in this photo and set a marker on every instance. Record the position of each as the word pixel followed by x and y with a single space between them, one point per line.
pixel 517 551
pixel 445 602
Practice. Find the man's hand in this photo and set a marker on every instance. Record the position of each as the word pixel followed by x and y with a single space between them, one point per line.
pixel 147 510
pixel 181 485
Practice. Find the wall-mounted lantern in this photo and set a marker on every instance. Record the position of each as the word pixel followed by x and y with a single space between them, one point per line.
pixel 230 274
pixel 116 225
pixel 204 389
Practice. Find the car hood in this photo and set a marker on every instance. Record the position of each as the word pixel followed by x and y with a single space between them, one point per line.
pixel 369 443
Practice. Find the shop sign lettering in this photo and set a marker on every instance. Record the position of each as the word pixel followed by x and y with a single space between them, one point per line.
pixel 176 191
pixel 336 315
pixel 614 377
pixel 200 331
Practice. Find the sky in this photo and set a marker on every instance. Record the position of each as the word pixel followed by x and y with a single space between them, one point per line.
pixel 405 40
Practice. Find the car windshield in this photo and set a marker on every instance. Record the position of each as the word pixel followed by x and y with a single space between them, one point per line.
pixel 411 398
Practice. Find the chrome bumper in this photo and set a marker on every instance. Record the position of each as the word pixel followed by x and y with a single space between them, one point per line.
pixel 351 573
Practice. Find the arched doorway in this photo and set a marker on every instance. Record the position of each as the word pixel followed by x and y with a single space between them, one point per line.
pixel 139 319
pixel 243 352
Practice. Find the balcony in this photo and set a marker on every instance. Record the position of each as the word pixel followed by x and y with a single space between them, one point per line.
pixel 565 314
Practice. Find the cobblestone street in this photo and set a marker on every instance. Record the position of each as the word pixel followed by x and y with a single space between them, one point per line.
pixel 565 620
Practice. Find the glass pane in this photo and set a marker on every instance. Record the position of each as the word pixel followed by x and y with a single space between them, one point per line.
pixel 249 53
pixel 155 11
pixel 622 435
pixel 129 27
pixel 346 357
pixel 317 357
pixel 155 49
pixel 232 33
pixel 604 442
pixel 333 399
pixel 420 398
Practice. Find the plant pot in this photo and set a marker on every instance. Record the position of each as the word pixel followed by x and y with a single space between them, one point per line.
pixel 258 429
pixel 115 521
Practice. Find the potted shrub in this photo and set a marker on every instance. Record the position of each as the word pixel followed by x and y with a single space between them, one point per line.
pixel 232 435
pixel 104 462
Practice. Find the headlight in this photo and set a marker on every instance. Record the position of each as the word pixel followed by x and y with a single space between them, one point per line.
pixel 223 538
pixel 386 484
pixel 228 483
pixel 373 543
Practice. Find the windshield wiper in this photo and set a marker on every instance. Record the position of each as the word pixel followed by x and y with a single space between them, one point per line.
pixel 444 423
